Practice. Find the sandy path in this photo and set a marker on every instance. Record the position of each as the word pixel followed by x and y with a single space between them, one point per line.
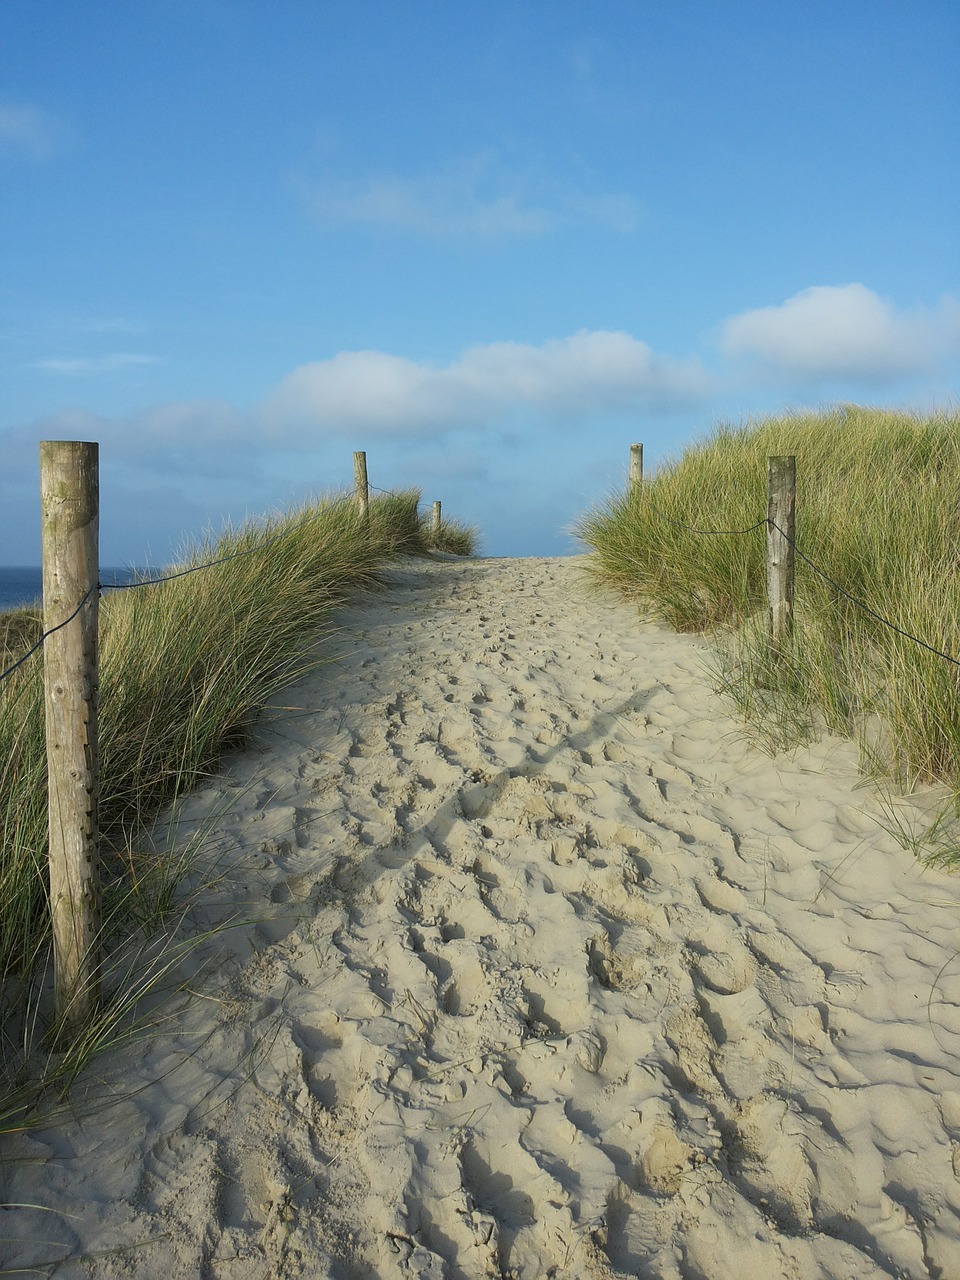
pixel 560 979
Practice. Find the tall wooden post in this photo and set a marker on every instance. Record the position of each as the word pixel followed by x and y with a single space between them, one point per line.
pixel 636 466
pixel 70 504
pixel 360 483
pixel 781 511
pixel 436 521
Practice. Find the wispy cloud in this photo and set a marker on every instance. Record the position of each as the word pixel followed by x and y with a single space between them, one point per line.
pixel 477 197
pixel 110 324
pixel 830 332
pixel 28 129
pixel 590 372
pixel 87 366
pixel 602 81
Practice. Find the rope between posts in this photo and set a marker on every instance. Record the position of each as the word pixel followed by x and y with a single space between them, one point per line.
pixel 209 564
pixel 145 582
pixel 169 577
pixel 772 524
pixel 31 652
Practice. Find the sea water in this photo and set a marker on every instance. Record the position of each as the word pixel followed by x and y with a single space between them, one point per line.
pixel 23 585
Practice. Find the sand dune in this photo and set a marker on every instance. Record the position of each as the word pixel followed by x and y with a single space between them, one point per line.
pixel 552 975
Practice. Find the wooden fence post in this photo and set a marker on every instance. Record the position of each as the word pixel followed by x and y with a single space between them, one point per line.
pixel 69 495
pixel 781 511
pixel 636 466
pixel 360 483
pixel 436 521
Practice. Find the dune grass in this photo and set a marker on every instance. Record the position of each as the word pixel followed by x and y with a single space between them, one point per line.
pixel 19 630
pixel 185 667
pixel 453 537
pixel 878 499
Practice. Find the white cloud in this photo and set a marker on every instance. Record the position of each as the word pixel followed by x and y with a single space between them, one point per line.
pixel 845 331
pixel 476 197
pixel 367 389
pixel 590 372
pixel 28 128
pixel 82 366
pixel 377 395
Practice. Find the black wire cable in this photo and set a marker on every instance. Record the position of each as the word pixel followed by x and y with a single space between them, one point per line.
pixel 148 582
pixel 209 564
pixel 681 525
pixel 860 603
pixel 826 578
pixel 181 573
pixel 58 627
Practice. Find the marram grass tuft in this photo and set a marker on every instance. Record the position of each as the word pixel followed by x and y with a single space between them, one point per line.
pixel 185 667
pixel 877 511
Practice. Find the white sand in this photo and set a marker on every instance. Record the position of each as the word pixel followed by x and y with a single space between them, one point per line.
pixel 555 976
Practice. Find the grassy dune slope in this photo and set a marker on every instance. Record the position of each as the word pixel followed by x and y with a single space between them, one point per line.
pixel 185 666
pixel 878 500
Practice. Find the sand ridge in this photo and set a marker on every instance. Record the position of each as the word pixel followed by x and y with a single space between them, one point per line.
pixel 552 975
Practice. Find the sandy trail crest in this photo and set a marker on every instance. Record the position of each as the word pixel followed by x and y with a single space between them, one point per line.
pixel 559 978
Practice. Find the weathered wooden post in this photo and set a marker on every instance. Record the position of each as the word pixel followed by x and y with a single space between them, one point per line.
pixel 436 522
pixel 360 483
pixel 70 504
pixel 636 466
pixel 781 511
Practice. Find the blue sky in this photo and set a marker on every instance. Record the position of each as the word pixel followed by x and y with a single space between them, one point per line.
pixel 491 244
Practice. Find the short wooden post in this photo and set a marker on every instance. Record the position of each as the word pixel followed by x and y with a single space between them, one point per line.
pixel 436 521
pixel 69 494
pixel 636 466
pixel 781 512
pixel 360 483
